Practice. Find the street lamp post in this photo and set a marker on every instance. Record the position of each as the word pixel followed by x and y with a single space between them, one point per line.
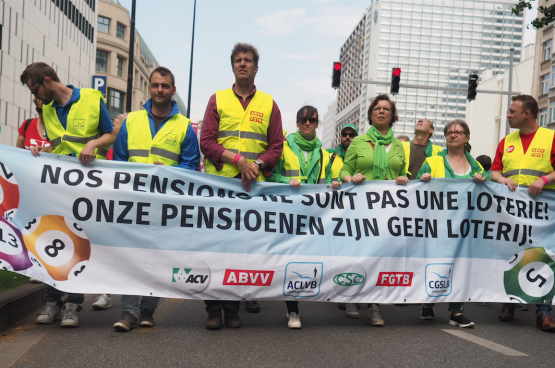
pixel 191 68
pixel 131 59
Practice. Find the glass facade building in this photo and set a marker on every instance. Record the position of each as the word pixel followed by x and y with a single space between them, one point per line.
pixel 435 43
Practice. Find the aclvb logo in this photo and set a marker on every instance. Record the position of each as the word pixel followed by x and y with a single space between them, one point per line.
pixel 303 279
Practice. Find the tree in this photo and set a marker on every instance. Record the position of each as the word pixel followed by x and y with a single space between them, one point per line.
pixel 546 14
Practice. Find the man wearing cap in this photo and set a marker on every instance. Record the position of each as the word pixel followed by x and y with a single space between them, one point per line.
pixel 420 148
pixel 348 133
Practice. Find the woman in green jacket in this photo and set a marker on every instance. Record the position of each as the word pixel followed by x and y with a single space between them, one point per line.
pixel 453 162
pixel 303 161
pixel 376 155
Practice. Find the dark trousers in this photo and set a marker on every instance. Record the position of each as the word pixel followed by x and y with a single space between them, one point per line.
pixel 51 294
pixel 292 306
pixel 232 305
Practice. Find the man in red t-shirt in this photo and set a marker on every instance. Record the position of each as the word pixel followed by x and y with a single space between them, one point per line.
pixel 32 132
pixel 513 167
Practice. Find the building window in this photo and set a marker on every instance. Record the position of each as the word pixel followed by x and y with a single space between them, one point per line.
pixel 543 117
pixel 103 24
pixel 115 102
pixel 101 61
pixel 552 111
pixel 119 67
pixel 544 87
pixel 552 76
pixel 547 50
pixel 120 31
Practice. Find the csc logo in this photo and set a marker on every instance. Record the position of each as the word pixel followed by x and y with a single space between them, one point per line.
pixel 348 279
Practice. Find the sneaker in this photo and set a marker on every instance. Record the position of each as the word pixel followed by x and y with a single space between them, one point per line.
pixel 352 311
pixel 146 318
pixel 127 322
pixel 69 315
pixel 214 321
pixel 427 313
pixel 51 313
pixel 374 317
pixel 293 320
pixel 460 321
pixel 232 319
pixel 252 307
pixel 102 302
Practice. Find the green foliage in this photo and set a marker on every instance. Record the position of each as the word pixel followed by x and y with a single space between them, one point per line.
pixel 546 15
pixel 10 280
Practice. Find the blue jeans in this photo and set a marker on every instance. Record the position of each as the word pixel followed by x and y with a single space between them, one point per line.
pixel 51 294
pixel 540 308
pixel 131 303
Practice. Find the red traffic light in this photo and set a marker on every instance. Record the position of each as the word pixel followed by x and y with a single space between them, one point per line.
pixel 337 66
pixel 397 72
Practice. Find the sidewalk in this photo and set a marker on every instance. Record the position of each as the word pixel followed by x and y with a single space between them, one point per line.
pixel 18 303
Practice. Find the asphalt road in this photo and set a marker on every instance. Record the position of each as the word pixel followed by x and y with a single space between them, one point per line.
pixel 328 339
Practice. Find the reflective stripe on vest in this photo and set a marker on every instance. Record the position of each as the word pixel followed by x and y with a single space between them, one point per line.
pixel 523 168
pixel 166 144
pixel 242 131
pixel 292 166
pixel 81 127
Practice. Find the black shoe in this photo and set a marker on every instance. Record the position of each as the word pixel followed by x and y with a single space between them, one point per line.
pixel 342 306
pixel 427 313
pixel 460 321
pixel 252 307
pixel 146 319
pixel 214 321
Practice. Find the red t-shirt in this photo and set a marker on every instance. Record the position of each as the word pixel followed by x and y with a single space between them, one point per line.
pixel 526 140
pixel 32 136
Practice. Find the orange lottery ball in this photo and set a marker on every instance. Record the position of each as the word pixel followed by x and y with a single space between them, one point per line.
pixel 60 244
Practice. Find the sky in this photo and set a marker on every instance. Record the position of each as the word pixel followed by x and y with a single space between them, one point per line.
pixel 298 42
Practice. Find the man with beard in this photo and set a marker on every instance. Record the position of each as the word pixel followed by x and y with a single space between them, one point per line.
pixel 158 135
pixel 76 123
pixel 348 133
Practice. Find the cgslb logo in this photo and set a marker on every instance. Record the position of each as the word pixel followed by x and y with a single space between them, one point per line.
pixel 303 279
pixel 248 277
pixel 192 277
pixel 439 279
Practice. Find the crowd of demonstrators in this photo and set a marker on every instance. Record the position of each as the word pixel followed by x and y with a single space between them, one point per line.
pixel 237 145
pixel 453 162
pixel 377 155
pixel 303 161
pixel 86 137
pixel 242 138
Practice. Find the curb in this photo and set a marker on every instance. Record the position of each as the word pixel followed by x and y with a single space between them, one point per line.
pixel 18 303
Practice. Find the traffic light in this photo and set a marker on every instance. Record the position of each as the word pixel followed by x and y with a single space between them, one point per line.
pixel 336 75
pixel 472 85
pixel 395 79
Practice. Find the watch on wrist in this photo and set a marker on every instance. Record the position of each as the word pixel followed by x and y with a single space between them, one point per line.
pixel 258 162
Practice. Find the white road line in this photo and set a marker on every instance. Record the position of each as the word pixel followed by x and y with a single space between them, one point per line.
pixel 485 343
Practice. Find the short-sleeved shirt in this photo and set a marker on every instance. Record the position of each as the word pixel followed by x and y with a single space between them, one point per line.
pixel 32 136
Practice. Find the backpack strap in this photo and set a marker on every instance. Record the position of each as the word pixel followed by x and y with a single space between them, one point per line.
pixel 333 156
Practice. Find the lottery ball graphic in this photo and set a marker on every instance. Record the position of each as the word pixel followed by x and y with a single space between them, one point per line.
pixel 9 193
pixel 13 253
pixel 60 245
pixel 530 276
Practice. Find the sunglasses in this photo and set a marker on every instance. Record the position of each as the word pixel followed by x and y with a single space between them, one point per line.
pixel 352 135
pixel 311 120
pixel 34 91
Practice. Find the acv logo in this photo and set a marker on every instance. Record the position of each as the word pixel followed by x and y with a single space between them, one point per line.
pixel 184 275
pixel 348 279
pixel 439 279
pixel 192 277
pixel 303 279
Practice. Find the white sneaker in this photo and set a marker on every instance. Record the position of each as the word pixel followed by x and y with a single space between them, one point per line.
pixel 51 313
pixel 374 317
pixel 69 317
pixel 293 320
pixel 352 311
pixel 103 302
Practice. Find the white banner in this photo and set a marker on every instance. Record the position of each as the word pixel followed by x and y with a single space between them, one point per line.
pixel 125 228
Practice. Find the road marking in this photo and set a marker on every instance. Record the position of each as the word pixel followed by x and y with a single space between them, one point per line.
pixel 485 343
pixel 165 308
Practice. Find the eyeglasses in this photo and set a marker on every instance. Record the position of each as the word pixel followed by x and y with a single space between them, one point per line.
pixel 352 135
pixel 385 109
pixel 311 120
pixel 458 133
pixel 34 91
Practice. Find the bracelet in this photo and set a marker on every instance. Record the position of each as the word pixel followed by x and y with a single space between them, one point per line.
pixel 544 180
pixel 236 159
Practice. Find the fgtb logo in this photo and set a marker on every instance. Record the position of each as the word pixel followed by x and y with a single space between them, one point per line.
pixel 303 279
pixel 394 279
pixel 439 279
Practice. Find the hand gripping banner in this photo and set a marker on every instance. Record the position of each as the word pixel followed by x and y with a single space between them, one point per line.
pixel 127 228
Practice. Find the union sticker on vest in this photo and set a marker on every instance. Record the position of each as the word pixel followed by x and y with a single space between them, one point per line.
pixel 171 139
pixel 79 124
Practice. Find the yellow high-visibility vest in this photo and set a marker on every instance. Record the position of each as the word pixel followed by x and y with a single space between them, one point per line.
pixel 406 146
pixel 166 144
pixel 242 131
pixel 523 168
pixel 292 165
pixel 81 127
pixel 336 167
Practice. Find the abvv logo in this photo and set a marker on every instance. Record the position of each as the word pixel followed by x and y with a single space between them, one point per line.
pixel 439 279
pixel 248 277
pixel 303 279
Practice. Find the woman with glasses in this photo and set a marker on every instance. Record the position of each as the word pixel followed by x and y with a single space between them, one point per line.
pixel 453 162
pixel 303 161
pixel 376 155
